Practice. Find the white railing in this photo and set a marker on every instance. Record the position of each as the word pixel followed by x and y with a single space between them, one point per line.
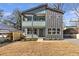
pixel 35 23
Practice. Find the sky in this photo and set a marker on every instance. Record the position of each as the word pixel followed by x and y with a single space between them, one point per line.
pixel 68 8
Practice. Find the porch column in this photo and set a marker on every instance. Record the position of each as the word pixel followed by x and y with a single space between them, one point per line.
pixel 38 32
pixel 25 31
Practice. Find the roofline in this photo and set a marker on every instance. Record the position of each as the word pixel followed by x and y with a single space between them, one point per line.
pixel 40 6
pixel 60 11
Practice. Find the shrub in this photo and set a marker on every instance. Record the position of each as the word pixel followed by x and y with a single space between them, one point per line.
pixel 31 39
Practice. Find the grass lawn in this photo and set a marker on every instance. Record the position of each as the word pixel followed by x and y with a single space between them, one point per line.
pixel 33 48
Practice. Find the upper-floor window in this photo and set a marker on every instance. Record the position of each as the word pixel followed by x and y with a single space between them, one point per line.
pixel 35 18
pixel 42 18
pixel 39 18
pixel 27 18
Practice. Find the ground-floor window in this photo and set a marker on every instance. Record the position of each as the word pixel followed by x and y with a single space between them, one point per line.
pixel 58 30
pixel 35 31
pixel 49 30
pixel 53 30
pixel 29 31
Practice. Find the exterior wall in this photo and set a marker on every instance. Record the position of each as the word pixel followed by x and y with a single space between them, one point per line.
pixel 36 24
pixel 54 20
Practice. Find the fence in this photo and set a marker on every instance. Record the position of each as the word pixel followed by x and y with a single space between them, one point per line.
pixel 69 36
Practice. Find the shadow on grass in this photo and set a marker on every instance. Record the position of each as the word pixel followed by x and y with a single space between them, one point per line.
pixel 6 43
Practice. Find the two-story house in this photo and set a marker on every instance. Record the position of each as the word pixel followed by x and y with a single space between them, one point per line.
pixel 43 21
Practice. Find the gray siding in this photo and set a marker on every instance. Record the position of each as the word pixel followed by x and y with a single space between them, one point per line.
pixel 54 20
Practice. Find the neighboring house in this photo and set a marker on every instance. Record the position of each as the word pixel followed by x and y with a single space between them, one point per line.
pixel 70 33
pixel 43 21
pixel 8 22
pixel 8 32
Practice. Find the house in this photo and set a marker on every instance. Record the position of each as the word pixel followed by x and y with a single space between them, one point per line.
pixel 71 32
pixel 9 33
pixel 43 21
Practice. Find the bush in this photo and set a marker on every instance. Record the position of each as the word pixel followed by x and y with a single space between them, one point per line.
pixel 8 41
pixel 31 39
pixel 51 39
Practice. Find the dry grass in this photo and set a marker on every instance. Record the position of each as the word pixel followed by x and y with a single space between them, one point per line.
pixel 40 48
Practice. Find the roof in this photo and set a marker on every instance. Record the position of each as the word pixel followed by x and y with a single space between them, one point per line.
pixel 6 28
pixel 4 31
pixel 71 31
pixel 45 6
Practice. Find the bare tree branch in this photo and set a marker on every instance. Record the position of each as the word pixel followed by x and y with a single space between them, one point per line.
pixel 76 12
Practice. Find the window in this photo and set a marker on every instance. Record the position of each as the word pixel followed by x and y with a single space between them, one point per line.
pixel 42 18
pixel 29 18
pixel 58 31
pixel 54 31
pixel 49 30
pixel 35 18
pixel 35 31
pixel 39 18
pixel 25 19
pixel 29 31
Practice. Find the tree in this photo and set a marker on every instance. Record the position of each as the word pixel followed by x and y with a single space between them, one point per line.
pixel 1 14
pixel 58 6
pixel 17 16
pixel 76 21
pixel 76 12
pixel 70 31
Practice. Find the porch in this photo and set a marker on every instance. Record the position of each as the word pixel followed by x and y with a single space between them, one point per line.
pixel 35 33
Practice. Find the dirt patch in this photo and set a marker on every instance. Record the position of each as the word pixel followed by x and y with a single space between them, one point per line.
pixel 31 48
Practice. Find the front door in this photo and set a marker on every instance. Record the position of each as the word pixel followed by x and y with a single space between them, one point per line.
pixel 41 33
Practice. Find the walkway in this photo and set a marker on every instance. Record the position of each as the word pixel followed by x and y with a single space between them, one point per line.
pixel 74 41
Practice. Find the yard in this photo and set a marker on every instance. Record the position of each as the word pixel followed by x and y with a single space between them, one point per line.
pixel 33 48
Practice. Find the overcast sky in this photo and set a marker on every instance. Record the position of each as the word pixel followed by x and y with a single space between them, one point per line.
pixel 68 8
